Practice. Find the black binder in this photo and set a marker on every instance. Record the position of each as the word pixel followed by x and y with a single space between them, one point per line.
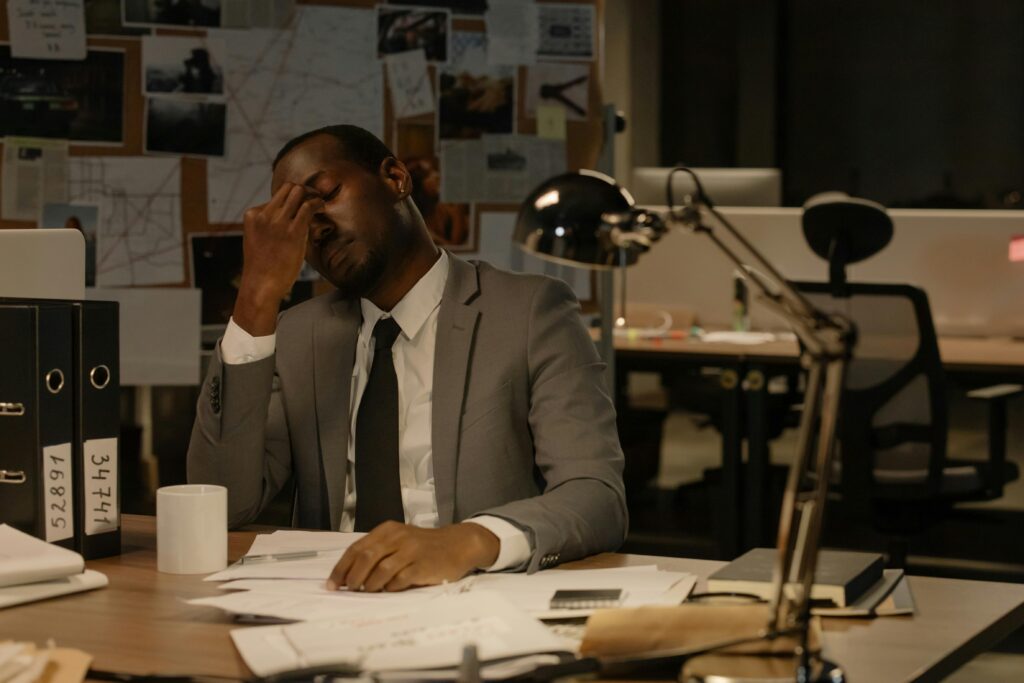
pixel 97 424
pixel 36 420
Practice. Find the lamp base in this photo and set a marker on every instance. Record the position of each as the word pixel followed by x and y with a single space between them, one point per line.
pixel 721 668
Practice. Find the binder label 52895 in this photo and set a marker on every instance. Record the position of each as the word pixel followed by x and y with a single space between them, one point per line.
pixel 57 491
pixel 101 513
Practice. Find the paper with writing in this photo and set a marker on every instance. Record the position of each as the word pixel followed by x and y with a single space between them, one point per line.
pixel 47 29
pixel 58 485
pixel 409 84
pixel 101 500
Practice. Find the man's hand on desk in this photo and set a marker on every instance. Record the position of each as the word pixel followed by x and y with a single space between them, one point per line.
pixel 396 556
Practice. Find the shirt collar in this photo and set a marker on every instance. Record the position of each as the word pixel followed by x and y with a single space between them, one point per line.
pixel 415 307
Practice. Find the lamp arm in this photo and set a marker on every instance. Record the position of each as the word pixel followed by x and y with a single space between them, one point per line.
pixel 828 342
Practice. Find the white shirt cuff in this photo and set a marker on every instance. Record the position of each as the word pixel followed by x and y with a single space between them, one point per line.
pixel 513 544
pixel 238 346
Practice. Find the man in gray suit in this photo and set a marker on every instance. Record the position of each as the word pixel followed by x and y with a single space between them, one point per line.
pixel 464 404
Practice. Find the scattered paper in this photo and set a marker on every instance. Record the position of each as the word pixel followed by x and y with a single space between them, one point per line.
pixel 310 601
pixel 566 31
pixel 498 168
pixel 329 547
pixel 640 586
pixel 512 31
pixel 139 233
pixel 27 559
pixel 551 122
pixel 46 29
pixel 35 174
pixel 427 636
pixel 279 84
pixel 290 541
pixel 409 83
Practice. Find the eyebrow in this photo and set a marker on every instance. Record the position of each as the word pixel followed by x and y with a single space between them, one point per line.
pixel 312 178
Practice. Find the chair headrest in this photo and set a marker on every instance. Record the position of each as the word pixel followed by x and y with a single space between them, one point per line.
pixel 861 227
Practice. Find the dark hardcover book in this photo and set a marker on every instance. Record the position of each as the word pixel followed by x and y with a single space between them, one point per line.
pixel 841 576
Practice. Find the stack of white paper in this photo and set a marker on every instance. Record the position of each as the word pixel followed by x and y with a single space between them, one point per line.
pixel 32 569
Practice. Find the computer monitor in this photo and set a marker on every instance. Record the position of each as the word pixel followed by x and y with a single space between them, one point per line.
pixel 42 264
pixel 724 186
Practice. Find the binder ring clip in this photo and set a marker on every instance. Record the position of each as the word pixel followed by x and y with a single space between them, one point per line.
pixel 12 409
pixel 12 477
pixel 54 381
pixel 99 376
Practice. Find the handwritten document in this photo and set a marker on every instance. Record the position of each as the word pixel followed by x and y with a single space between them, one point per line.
pixel 47 29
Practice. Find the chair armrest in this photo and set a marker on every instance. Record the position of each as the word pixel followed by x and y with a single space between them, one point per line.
pixel 996 391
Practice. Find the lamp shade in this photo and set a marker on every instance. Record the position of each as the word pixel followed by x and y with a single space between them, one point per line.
pixel 561 220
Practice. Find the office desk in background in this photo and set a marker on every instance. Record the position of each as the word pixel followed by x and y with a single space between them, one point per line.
pixel 746 370
pixel 140 624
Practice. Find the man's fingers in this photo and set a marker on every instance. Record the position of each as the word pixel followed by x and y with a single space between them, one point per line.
pixel 337 577
pixel 291 204
pixel 386 570
pixel 402 580
pixel 279 197
pixel 304 216
pixel 364 559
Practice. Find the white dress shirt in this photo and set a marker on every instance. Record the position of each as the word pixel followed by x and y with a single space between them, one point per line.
pixel 413 354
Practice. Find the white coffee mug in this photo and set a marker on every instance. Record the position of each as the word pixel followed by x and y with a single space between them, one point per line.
pixel 191 529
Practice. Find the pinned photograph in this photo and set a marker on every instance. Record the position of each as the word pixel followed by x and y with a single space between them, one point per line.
pixel 475 98
pixel 103 17
pixel 204 13
pixel 81 101
pixel 449 225
pixel 460 7
pixel 564 85
pixel 80 217
pixel 403 30
pixel 176 126
pixel 217 270
pixel 182 65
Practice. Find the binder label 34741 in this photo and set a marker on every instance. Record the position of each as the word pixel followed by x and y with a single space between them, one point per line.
pixel 57 491
pixel 101 513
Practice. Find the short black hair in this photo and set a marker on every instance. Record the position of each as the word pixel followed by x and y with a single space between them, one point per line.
pixel 358 145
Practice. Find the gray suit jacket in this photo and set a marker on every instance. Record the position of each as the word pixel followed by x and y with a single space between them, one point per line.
pixel 523 427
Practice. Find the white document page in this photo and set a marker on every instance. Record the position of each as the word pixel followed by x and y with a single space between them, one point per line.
pixel 428 636
pixel 329 546
pixel 27 559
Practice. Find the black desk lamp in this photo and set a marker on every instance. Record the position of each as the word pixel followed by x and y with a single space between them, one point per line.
pixel 587 220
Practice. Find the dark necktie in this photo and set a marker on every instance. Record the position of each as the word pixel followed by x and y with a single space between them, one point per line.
pixel 378 487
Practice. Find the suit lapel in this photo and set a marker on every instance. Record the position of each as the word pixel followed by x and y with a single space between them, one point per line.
pixel 456 326
pixel 334 352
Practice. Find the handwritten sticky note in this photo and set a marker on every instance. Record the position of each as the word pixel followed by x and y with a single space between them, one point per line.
pixel 551 121
pixel 47 29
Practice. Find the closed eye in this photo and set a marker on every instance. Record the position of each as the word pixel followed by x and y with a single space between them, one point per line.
pixel 333 193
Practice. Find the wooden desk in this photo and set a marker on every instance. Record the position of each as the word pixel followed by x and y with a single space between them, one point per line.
pixel 744 396
pixel 140 624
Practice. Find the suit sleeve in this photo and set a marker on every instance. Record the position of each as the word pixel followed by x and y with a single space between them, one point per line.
pixel 582 510
pixel 240 437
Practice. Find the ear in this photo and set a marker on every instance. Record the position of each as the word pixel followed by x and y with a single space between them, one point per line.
pixel 394 173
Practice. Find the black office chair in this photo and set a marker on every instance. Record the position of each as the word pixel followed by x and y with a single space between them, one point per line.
pixel 892 466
